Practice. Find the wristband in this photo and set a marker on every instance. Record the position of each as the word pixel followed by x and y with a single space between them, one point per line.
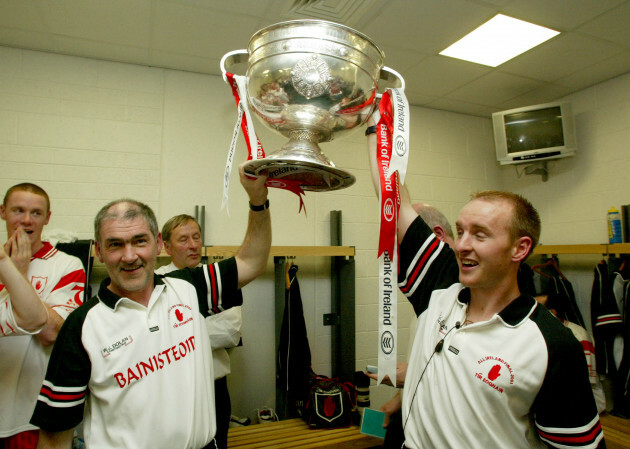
pixel 370 130
pixel 259 208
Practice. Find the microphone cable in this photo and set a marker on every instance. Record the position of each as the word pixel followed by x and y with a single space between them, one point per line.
pixel 438 348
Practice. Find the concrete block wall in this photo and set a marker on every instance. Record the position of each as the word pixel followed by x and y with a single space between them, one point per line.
pixel 580 190
pixel 91 131
pixel 86 131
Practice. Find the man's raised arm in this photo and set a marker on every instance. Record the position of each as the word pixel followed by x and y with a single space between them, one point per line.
pixel 252 256
pixel 19 305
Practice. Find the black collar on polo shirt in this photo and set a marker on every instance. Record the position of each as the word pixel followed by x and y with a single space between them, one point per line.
pixel 110 299
pixel 514 313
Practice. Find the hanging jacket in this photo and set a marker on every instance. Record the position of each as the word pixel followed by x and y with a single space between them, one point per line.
pixel 620 284
pixel 605 319
pixel 294 353
pixel 555 285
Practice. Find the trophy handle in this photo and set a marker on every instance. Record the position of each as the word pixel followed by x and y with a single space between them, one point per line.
pixel 388 74
pixel 233 57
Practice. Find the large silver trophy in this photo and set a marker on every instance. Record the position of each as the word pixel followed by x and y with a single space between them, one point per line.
pixel 310 80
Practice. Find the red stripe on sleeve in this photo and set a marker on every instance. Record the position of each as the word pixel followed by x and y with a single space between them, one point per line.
pixel 213 288
pixel 420 265
pixel 4 332
pixel 585 438
pixel 62 397
pixel 75 276
pixel 588 346
pixel 614 318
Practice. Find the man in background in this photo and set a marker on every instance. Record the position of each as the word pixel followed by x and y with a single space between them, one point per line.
pixel 437 221
pixel 140 348
pixel 182 241
pixel 59 280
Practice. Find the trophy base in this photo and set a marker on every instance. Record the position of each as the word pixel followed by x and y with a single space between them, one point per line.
pixel 311 177
pixel 304 163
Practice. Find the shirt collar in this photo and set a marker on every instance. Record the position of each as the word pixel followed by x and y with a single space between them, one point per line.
pixel 111 299
pixel 514 313
pixel 43 251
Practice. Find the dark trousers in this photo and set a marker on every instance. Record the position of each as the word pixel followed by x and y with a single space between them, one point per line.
pixel 223 408
pixel 394 436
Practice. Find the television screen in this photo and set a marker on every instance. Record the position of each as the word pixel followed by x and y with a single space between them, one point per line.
pixel 534 133
pixel 534 130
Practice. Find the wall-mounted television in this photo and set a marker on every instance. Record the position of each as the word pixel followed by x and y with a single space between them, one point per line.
pixel 534 133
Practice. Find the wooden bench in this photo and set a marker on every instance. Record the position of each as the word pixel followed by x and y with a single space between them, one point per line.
pixel 295 433
pixel 616 431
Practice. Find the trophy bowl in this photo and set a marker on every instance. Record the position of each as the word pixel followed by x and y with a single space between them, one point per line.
pixel 310 80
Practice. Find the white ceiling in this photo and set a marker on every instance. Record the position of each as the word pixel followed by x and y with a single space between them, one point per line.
pixel 193 35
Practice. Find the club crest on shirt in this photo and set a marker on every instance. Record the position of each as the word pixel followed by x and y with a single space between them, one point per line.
pixel 39 283
pixel 179 314
pixel 494 372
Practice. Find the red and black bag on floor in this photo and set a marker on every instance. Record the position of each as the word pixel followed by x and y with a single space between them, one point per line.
pixel 331 403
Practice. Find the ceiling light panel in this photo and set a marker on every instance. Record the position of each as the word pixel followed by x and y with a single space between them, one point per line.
pixel 499 40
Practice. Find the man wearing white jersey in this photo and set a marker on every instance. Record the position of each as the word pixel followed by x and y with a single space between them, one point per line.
pixel 21 310
pixel 59 279
pixel 136 358
pixel 489 367
pixel 182 241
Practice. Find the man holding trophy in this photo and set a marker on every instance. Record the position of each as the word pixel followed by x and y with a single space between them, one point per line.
pixel 137 358
pixel 488 367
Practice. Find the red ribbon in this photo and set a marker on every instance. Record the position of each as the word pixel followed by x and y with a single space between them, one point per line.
pixel 390 198
pixel 244 127
pixel 285 184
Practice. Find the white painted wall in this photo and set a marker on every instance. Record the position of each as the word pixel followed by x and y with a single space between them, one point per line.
pixel 91 131
pixel 580 190
pixel 88 131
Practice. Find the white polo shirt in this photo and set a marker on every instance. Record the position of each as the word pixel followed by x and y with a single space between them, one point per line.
pixel 517 380
pixel 144 373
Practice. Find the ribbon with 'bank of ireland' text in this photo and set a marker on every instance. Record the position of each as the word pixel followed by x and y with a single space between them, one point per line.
pixel 244 121
pixel 392 144
pixel 400 140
